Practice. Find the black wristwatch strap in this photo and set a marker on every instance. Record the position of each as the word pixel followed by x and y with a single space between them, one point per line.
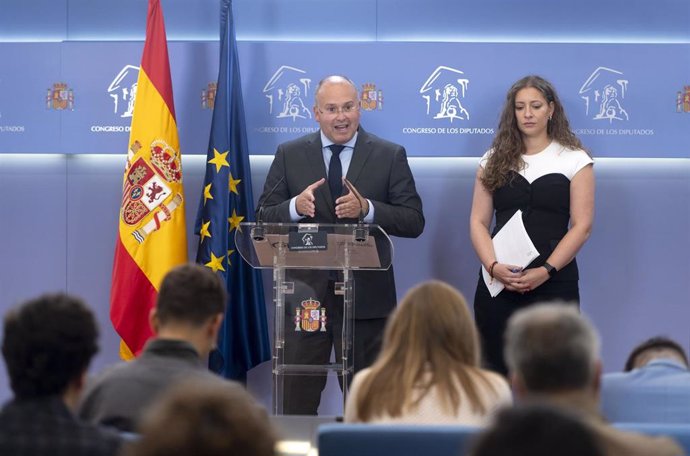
pixel 550 269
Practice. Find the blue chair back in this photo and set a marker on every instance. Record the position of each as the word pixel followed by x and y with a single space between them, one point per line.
pixel 679 432
pixel 393 440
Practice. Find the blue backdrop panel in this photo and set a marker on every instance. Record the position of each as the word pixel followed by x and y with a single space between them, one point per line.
pixel 105 89
pixel 103 76
pixel 437 99
pixel 534 20
pixel 194 69
pixel 355 20
pixel 444 99
pixel 126 19
pixel 29 71
pixel 33 226
pixel 321 20
pixel 21 20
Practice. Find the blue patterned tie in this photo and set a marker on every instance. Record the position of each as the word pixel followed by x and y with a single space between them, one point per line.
pixel 335 171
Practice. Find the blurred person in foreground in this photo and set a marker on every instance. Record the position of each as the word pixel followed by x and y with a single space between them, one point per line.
pixel 186 320
pixel 48 344
pixel 537 430
pixel 553 355
pixel 428 370
pixel 654 388
pixel 202 418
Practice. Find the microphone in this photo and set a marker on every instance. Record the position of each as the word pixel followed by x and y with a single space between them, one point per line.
pixel 258 233
pixel 360 233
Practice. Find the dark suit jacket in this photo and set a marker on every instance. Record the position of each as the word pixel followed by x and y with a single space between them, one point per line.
pixel 44 426
pixel 380 172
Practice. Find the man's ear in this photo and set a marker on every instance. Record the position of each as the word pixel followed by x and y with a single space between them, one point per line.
pixel 212 330
pixel 154 322
pixel 518 385
pixel 214 324
pixel 596 380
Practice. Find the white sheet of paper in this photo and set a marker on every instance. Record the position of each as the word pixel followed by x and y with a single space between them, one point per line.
pixel 512 245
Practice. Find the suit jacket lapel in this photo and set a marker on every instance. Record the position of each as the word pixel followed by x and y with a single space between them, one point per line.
pixel 359 156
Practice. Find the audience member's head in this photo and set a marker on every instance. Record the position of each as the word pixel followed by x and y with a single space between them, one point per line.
pixel 537 430
pixel 48 344
pixel 432 324
pixel 551 348
pixel 190 306
pixel 205 419
pixel 553 354
pixel 655 348
pixel 431 333
pixel 190 293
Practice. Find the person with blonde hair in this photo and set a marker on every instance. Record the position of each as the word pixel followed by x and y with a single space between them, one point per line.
pixel 428 369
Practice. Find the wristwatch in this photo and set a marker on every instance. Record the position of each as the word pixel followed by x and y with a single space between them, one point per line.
pixel 550 269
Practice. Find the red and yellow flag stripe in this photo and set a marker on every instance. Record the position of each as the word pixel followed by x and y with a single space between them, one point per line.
pixel 152 229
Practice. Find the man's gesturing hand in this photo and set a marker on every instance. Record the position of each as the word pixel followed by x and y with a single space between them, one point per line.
pixel 304 203
pixel 350 205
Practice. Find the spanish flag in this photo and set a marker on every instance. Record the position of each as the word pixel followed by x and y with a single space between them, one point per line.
pixel 152 237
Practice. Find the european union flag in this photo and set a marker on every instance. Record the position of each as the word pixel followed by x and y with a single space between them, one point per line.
pixel 226 201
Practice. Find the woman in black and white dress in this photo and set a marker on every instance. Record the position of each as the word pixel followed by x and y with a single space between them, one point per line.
pixel 536 164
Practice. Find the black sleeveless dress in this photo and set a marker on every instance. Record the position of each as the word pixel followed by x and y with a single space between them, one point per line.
pixel 542 192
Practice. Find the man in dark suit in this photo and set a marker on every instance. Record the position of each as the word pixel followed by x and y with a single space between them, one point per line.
pixel 305 184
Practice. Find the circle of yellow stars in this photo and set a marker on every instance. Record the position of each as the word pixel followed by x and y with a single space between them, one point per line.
pixel 220 160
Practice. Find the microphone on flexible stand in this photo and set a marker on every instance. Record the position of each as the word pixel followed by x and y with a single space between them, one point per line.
pixel 258 233
pixel 361 232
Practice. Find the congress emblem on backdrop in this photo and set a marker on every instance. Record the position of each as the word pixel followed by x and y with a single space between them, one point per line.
pixel 442 92
pixel 123 90
pixel 208 95
pixel 604 95
pixel 683 100
pixel 146 187
pixel 311 317
pixel 60 97
pixel 371 98
pixel 286 91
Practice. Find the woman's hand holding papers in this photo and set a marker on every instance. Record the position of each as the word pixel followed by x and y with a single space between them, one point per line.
pixel 509 275
pixel 534 277
pixel 518 280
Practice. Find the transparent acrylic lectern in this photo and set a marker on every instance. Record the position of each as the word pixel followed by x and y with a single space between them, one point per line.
pixel 317 247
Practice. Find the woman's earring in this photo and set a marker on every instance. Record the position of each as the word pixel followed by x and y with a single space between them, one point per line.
pixel 550 116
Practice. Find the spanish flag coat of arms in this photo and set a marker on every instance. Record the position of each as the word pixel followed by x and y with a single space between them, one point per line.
pixel 152 230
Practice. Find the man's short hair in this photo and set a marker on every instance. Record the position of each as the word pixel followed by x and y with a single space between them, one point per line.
pixel 190 293
pixel 655 344
pixel 537 430
pixel 551 347
pixel 48 342
pixel 205 419
pixel 332 79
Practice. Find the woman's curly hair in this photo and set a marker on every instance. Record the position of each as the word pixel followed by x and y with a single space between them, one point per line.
pixel 508 147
